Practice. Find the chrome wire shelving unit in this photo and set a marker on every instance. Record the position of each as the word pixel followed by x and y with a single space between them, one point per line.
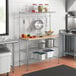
pixel 25 22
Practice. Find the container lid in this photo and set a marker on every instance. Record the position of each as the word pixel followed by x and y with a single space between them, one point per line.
pixel 48 50
pixel 46 4
pixel 37 52
pixel 40 4
pixel 42 53
pixel 34 4
pixel 4 50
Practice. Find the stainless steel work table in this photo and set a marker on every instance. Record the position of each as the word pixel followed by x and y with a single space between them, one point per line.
pixel 10 42
pixel 37 38
pixel 69 34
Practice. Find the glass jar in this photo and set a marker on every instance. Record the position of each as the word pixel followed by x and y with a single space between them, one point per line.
pixel 46 8
pixel 35 8
pixel 40 8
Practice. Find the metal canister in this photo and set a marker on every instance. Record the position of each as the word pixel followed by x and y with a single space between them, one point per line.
pixel 42 44
pixel 49 43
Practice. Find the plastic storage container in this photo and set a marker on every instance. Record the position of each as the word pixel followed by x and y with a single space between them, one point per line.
pixel 46 7
pixel 40 8
pixel 49 53
pixel 40 55
pixel 5 60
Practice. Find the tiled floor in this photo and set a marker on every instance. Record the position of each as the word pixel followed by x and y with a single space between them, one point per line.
pixel 19 71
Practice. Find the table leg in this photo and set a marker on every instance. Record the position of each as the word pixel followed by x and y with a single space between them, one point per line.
pixel 58 56
pixel 27 55
pixel 7 74
pixel 74 50
pixel 53 42
pixel 74 57
pixel 12 57
pixel 58 51
pixel 19 53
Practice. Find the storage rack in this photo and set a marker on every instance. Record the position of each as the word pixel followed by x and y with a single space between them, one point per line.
pixel 45 15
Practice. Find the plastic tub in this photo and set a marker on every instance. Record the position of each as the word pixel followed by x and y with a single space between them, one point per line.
pixel 49 53
pixel 40 55
pixel 5 60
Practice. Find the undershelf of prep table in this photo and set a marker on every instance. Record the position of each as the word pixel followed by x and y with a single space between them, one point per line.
pixel 33 60
pixel 70 53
